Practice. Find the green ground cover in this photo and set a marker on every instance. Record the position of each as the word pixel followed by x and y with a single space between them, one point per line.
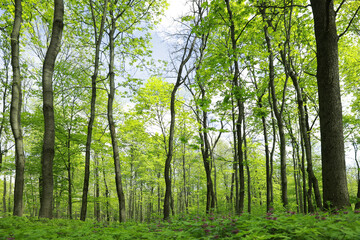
pixel 338 225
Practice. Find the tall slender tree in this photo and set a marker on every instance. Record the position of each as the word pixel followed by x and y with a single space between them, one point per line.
pixel 278 110
pixel 98 35
pixel 47 185
pixel 111 96
pixel 182 72
pixel 15 112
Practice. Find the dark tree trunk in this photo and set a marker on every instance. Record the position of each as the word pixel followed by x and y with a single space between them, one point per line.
pixel 69 175
pixel 97 42
pixel 159 194
pixel 247 166
pixel 296 158
pixel 4 196
pixel 357 204
pixel 15 112
pixel 111 96
pixel 303 176
pixel 269 203
pixel 47 184
pixel 186 203
pixel 97 191
pixel 277 112
pixel 170 150
pixel 314 179
pixel 202 119
pixel 335 191
pixel 273 125
pixel 240 105
pixel 205 150
pixel 188 49
pixel 107 195
pixel 9 198
pixel 240 158
pixel 235 165
pixel 304 128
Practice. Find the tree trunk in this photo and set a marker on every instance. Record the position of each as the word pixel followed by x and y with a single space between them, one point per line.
pixel 277 112
pixel 240 105
pixel 272 148
pixel 235 164
pixel 97 191
pixel 184 178
pixel 303 176
pixel 188 49
pixel 247 166
pixel 47 185
pixel 269 203
pixel 9 198
pixel 4 196
pixel 118 181
pixel 107 195
pixel 335 191
pixel 97 42
pixel 170 151
pixel 202 118
pixel 240 158
pixel 304 129
pixel 357 204
pixel 159 194
pixel 69 175
pixel 15 112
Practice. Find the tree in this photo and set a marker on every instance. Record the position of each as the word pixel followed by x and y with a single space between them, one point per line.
pixel 278 110
pixel 335 192
pixel 47 185
pixel 111 96
pixel 182 72
pixel 15 112
pixel 97 42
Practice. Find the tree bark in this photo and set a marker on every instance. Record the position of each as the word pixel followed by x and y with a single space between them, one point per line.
pixel 47 185
pixel 235 164
pixel 335 191
pixel 170 149
pixel 277 111
pixel 240 105
pixel 186 203
pixel 247 166
pixel 97 191
pixel 205 150
pixel 188 49
pixel 107 195
pixel 69 175
pixel 115 147
pixel 357 204
pixel 97 41
pixel 15 112
pixel 290 71
pixel 269 203
pixel 4 196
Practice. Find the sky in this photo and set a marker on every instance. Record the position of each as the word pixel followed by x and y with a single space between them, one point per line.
pixel 161 48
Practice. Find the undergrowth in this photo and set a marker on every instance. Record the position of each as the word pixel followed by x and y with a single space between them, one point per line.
pixel 336 225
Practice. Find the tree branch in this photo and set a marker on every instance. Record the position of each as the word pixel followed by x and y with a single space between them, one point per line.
pixel 352 19
pixel 338 9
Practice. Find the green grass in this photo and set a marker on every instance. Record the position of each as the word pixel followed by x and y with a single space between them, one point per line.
pixel 342 225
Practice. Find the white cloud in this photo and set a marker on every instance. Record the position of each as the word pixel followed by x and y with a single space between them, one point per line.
pixel 176 9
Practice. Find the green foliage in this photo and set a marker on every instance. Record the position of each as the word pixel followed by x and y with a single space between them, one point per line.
pixel 337 225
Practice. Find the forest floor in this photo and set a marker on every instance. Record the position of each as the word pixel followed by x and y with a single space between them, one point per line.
pixel 338 225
